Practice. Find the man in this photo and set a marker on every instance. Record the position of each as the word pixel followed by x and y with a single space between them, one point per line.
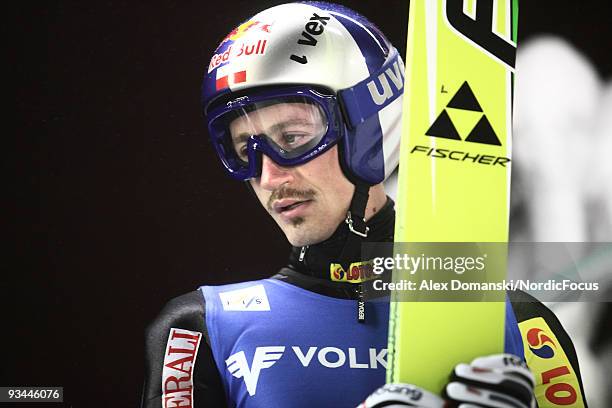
pixel 303 103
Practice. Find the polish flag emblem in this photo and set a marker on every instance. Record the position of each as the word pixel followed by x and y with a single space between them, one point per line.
pixel 225 79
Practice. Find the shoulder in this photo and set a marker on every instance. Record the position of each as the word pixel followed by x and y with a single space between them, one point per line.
pixel 527 307
pixel 185 312
pixel 537 322
pixel 531 313
pixel 181 316
pixel 549 351
pixel 188 311
pixel 179 366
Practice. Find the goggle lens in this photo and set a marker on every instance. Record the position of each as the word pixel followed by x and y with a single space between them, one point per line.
pixel 290 129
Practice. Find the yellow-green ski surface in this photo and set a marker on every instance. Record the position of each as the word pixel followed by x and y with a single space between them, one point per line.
pixel 454 173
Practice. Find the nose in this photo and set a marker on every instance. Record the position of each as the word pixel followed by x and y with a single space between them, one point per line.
pixel 272 175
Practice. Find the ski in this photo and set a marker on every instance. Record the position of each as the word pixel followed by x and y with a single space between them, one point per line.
pixel 454 175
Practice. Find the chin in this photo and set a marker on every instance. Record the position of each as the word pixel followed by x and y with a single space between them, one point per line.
pixel 297 236
pixel 297 241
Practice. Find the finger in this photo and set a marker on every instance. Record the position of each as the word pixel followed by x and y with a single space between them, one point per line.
pixel 508 364
pixel 481 397
pixel 402 395
pixel 494 380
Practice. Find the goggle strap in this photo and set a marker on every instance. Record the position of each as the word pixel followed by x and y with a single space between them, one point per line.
pixel 374 93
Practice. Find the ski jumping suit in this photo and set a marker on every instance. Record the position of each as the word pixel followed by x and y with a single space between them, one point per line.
pixel 293 340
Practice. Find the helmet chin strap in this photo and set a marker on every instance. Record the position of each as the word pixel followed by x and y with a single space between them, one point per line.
pixel 355 219
pixel 357 228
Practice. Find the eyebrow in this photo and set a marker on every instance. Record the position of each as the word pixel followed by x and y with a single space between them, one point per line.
pixel 274 128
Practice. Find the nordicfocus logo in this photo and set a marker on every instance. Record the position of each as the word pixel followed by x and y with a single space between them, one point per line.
pixel 177 374
pixel 329 357
pixel 463 102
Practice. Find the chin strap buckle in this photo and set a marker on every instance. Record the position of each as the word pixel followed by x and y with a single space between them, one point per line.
pixel 350 222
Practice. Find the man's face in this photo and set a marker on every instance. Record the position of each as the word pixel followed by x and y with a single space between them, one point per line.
pixel 308 201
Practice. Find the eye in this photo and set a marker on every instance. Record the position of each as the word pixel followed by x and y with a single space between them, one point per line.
pixel 242 151
pixel 289 138
pixel 292 138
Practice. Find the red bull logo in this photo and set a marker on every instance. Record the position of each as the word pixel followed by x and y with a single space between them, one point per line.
pixel 236 51
pixel 540 344
pixel 244 28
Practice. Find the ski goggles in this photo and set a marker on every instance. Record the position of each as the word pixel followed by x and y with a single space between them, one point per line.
pixel 290 126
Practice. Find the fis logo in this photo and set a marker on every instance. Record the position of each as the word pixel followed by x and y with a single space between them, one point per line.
pixel 250 299
pixel 329 357
pixel 540 344
pixel 264 357
pixel 380 89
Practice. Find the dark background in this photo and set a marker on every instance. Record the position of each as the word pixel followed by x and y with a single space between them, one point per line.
pixel 120 203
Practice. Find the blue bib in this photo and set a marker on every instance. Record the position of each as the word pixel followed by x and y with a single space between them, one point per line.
pixel 278 345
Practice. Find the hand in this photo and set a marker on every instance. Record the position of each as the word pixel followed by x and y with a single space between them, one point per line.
pixel 496 381
pixel 402 395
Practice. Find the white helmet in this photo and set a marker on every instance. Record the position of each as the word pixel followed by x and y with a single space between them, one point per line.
pixel 319 54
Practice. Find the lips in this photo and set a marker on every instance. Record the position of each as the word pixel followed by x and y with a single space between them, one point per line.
pixel 289 208
pixel 287 204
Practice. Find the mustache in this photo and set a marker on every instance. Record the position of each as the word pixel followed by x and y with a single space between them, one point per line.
pixel 289 192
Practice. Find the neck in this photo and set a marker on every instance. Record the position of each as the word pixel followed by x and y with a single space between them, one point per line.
pixel 316 260
pixel 376 201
